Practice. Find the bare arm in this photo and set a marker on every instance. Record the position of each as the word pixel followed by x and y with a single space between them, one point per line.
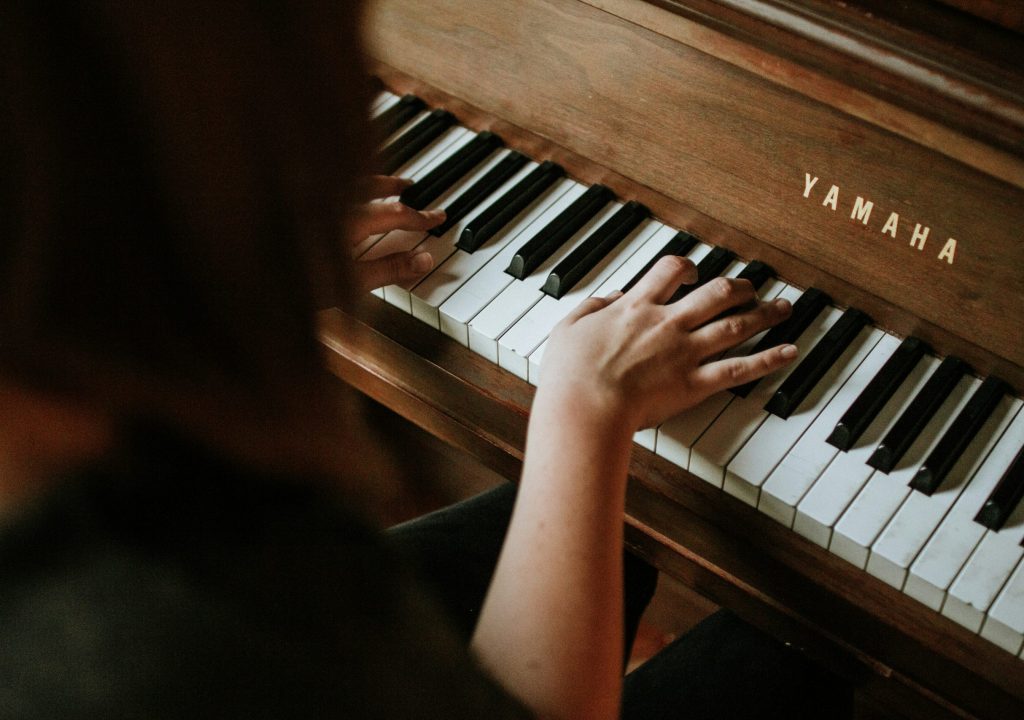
pixel 551 626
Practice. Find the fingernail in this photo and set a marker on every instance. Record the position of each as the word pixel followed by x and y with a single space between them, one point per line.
pixel 782 304
pixel 788 351
pixel 421 262
pixel 434 214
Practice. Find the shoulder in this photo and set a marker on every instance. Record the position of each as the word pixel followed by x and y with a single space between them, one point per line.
pixel 199 588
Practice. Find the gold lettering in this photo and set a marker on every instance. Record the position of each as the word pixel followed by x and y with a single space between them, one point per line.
pixel 861 210
pixel 948 251
pixel 832 199
pixel 891 224
pixel 919 236
pixel 808 184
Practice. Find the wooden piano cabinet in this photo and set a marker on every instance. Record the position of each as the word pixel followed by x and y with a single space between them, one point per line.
pixel 873 151
pixel 735 133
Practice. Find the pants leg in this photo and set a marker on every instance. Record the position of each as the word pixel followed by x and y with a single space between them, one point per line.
pixel 455 550
pixel 725 668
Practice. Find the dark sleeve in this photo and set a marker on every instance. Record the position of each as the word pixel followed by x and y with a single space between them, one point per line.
pixel 276 607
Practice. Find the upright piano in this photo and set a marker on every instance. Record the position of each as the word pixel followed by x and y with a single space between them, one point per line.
pixel 864 158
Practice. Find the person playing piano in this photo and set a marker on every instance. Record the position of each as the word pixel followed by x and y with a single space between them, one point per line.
pixel 184 493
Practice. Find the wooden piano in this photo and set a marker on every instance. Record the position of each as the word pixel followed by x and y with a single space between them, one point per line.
pixel 873 150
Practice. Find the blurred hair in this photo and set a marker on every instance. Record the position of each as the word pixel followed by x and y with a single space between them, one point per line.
pixel 173 193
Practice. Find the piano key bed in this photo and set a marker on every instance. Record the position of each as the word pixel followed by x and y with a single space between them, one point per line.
pixel 908 467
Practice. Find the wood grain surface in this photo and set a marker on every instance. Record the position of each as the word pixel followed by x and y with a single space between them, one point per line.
pixel 736 147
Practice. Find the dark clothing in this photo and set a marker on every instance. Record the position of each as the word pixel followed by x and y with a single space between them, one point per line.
pixel 722 669
pixel 177 585
pixel 455 550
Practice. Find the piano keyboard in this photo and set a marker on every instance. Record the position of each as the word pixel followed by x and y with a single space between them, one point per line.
pixel 906 466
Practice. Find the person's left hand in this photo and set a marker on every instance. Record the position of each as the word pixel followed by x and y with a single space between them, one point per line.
pixel 382 216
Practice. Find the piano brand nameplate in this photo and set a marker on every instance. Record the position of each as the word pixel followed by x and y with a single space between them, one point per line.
pixel 861 209
pixel 735 147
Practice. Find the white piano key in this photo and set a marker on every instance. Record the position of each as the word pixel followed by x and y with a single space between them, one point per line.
pixel 658 234
pixel 948 549
pixel 398 241
pixel 626 272
pixel 985 573
pixel 766 448
pixel 382 102
pixel 441 247
pixel 516 345
pixel 1004 625
pixel 678 434
pixel 412 122
pixel 432 155
pixel 846 475
pixel 806 461
pixel 528 330
pixel 474 294
pixel 920 514
pixel 451 272
pixel 742 416
pixel 871 511
pixel 518 297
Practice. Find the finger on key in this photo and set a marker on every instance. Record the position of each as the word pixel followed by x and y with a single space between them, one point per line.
pixel 664 279
pixel 727 332
pixel 394 269
pixel 711 300
pixel 381 217
pixel 590 305
pixel 729 372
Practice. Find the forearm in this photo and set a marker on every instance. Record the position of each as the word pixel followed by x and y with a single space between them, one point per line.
pixel 551 627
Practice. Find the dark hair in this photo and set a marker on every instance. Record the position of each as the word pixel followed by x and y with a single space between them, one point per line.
pixel 173 196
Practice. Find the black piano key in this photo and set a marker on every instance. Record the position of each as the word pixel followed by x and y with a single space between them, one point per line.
pixel 710 266
pixel 805 309
pixel 1005 497
pixel 593 249
pixel 553 235
pixel 397 115
pixel 411 142
pixel 680 244
pixel 951 446
pixel 478 191
pixel 439 180
pixel 757 272
pixel 917 414
pixel 499 213
pixel 877 393
pixel 817 362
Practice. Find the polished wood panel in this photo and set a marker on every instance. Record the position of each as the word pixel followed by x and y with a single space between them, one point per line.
pixel 735 146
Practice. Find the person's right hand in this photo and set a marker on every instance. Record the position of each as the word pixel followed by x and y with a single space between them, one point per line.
pixel 636 359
